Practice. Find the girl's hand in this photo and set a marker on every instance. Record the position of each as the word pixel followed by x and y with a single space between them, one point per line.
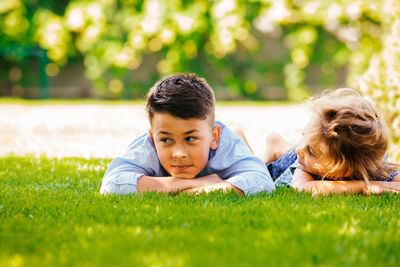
pixel 379 187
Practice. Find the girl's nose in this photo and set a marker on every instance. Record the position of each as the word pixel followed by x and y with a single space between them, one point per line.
pixel 300 147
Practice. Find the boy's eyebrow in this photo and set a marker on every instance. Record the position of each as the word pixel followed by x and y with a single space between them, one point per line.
pixel 191 131
pixel 188 132
pixel 164 132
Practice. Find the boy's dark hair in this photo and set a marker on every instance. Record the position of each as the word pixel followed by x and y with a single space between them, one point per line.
pixel 182 95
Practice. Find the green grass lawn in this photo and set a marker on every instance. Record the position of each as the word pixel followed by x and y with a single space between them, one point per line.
pixel 51 214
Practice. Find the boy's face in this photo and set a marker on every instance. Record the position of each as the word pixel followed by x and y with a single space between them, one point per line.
pixel 183 145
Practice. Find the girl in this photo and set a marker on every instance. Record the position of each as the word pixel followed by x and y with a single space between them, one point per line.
pixel 343 149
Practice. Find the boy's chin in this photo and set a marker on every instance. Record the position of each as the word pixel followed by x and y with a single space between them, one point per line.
pixel 180 176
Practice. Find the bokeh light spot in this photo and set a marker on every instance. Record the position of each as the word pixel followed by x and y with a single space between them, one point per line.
pixel 15 74
pixel 115 86
pixel 52 69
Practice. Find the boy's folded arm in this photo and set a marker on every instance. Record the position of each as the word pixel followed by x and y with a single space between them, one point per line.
pixel 224 186
pixel 123 174
pixel 251 181
pixel 163 184
pixel 133 182
pixel 120 183
pixel 174 184
pixel 236 165
pixel 244 182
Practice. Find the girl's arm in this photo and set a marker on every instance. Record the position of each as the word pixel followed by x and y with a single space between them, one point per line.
pixel 303 181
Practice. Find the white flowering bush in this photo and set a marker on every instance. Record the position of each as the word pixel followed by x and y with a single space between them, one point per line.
pixel 381 81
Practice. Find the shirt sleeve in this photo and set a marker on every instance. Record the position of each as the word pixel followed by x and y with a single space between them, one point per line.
pixel 285 179
pixel 234 162
pixel 123 173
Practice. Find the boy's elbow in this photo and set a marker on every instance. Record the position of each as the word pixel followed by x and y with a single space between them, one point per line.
pixel 116 188
pixel 269 184
pixel 106 190
pixel 269 187
pixel 260 189
pixel 264 185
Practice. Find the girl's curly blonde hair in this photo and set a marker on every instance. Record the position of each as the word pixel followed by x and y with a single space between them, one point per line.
pixel 350 135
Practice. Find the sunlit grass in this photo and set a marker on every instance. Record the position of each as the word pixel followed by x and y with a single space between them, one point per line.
pixel 51 214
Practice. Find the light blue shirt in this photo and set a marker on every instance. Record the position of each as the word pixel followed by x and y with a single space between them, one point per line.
pixel 232 161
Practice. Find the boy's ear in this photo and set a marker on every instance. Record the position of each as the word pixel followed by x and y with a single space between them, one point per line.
pixel 216 133
pixel 151 134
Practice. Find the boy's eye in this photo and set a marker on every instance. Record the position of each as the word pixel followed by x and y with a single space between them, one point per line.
pixel 190 139
pixel 165 140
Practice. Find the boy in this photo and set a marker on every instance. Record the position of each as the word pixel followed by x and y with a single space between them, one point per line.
pixel 185 150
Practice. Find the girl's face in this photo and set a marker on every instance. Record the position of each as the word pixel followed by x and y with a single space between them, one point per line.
pixel 313 157
pixel 309 159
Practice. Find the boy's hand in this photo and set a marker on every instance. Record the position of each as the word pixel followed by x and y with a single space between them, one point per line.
pixel 210 183
pixel 164 184
pixel 222 186
pixel 174 184
pixel 207 180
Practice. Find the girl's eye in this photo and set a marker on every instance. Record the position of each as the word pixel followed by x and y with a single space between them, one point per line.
pixel 190 139
pixel 310 151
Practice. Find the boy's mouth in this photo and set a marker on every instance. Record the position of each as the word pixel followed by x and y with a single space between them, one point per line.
pixel 181 167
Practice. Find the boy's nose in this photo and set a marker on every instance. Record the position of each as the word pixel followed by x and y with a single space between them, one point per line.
pixel 179 153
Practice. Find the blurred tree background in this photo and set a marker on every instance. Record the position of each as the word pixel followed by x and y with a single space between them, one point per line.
pixel 255 49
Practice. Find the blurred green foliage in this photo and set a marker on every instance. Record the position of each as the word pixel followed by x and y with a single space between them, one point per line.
pixel 236 43
pixel 247 46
